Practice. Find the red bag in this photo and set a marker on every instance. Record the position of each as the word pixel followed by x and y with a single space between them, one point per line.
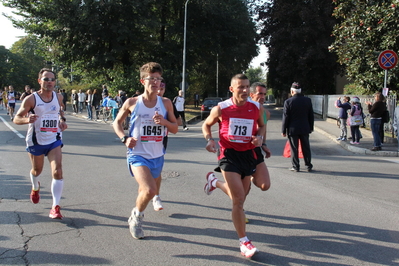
pixel 287 150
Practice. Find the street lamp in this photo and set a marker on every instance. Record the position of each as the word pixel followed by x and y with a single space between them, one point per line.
pixel 184 50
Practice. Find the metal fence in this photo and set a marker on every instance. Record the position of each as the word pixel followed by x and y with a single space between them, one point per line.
pixel 324 105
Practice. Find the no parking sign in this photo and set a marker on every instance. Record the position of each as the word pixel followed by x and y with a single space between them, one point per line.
pixel 387 59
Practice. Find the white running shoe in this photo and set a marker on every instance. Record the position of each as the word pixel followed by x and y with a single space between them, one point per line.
pixel 157 203
pixel 135 224
pixel 210 177
pixel 247 249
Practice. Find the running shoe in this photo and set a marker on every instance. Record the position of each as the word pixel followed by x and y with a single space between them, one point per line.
pixel 55 213
pixel 210 177
pixel 247 249
pixel 157 203
pixel 135 222
pixel 34 196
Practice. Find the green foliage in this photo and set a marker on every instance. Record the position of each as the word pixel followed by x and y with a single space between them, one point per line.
pixel 355 89
pixel 19 65
pixel 255 75
pixel 297 35
pixel 108 41
pixel 366 29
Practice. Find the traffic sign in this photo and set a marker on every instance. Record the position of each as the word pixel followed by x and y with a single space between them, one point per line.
pixel 387 59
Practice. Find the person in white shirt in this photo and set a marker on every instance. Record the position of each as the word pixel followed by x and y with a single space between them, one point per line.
pixel 81 100
pixel 179 103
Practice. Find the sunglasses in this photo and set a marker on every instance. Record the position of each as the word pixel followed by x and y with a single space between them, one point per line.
pixel 48 79
pixel 152 79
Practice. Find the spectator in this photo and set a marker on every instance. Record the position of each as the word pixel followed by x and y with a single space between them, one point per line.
pixel 82 100
pixel 64 98
pixel 356 119
pixel 298 123
pixel 104 91
pixel 196 99
pixel 376 111
pixel 111 103
pixel 89 102
pixel 179 103
pixel 343 116
pixel 96 103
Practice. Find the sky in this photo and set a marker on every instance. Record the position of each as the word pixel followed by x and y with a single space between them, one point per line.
pixel 9 35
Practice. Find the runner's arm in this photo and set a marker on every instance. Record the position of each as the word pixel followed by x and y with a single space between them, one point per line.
pixel 27 104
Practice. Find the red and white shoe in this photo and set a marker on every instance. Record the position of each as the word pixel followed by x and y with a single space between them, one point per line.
pixel 247 249
pixel 55 213
pixel 210 177
pixel 35 196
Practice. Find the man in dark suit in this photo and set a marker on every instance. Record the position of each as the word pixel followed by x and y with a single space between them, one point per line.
pixel 298 121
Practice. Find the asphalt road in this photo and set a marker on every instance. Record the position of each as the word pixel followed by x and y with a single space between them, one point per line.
pixel 344 213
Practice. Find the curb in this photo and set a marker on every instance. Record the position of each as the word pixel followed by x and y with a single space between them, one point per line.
pixel 355 149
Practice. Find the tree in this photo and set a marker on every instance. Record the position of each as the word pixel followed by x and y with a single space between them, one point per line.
pixel 255 75
pixel 111 39
pixel 366 28
pixel 30 52
pixel 14 70
pixel 297 35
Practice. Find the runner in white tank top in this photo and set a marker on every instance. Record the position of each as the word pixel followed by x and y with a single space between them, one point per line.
pixel 148 134
pixel 43 111
pixel 45 129
pixel 151 116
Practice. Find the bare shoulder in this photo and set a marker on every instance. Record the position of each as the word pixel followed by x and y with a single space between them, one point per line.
pixel 130 103
pixel 166 101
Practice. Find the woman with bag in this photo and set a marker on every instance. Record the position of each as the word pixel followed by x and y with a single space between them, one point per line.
pixel 376 111
pixel 356 120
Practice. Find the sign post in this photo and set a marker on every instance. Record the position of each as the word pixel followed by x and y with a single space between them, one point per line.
pixel 387 60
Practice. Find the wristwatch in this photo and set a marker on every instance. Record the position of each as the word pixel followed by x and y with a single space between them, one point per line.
pixel 208 139
pixel 124 138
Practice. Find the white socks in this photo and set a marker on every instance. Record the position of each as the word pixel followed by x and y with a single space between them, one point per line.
pixel 56 190
pixel 244 239
pixel 35 181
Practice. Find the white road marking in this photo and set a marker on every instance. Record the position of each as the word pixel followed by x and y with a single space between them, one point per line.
pixel 12 129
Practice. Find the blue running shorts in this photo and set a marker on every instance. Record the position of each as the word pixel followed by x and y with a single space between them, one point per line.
pixel 155 165
pixel 38 150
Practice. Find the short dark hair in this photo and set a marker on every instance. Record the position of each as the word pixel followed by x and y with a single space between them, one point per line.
pixel 239 76
pixel 256 84
pixel 46 70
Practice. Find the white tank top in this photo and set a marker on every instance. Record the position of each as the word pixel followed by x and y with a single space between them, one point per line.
pixel 45 130
pixel 148 134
